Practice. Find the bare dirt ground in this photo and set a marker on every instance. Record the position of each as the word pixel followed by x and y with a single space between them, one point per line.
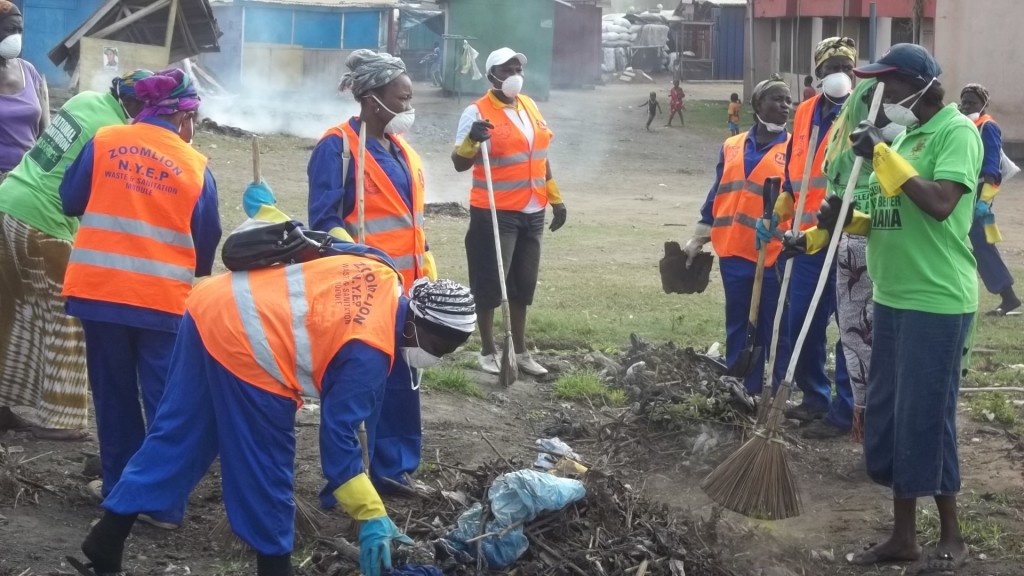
pixel 605 162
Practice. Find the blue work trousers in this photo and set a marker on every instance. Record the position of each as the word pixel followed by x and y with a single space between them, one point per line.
pixel 126 364
pixel 991 268
pixel 910 417
pixel 810 375
pixel 397 434
pixel 738 280
pixel 206 411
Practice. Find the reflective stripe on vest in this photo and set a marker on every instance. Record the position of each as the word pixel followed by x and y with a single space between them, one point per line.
pixel 135 264
pixel 518 169
pixel 137 228
pixel 390 224
pixel 803 122
pixel 738 203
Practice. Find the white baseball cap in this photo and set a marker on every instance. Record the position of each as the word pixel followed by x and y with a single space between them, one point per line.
pixel 502 55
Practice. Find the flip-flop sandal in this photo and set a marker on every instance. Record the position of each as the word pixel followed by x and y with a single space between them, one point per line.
pixel 85 568
pixel 942 565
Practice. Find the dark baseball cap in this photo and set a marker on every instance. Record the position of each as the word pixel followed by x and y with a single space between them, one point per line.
pixel 909 60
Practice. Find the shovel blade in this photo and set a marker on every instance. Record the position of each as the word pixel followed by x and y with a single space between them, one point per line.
pixel 744 364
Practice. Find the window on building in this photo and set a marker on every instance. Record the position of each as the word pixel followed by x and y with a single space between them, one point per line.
pixel 863 38
pixel 795 46
pixel 785 40
pixel 902 30
pixel 829 27
pixel 361 30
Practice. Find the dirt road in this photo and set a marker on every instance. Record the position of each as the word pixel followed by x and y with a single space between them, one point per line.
pixel 610 170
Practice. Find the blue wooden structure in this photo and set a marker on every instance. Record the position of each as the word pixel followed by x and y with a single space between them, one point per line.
pixel 47 22
pixel 730 41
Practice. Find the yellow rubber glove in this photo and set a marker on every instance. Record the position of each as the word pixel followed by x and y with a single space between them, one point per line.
pixel 341 234
pixel 554 195
pixel 891 169
pixel 429 266
pixel 988 192
pixel 992 233
pixel 468 148
pixel 784 207
pixel 860 225
pixel 816 239
pixel 360 499
pixel 269 213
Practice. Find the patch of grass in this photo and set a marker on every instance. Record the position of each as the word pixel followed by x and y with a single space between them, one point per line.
pixel 587 386
pixel 993 407
pixel 451 379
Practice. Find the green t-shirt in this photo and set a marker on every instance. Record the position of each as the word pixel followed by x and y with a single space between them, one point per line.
pixel 839 156
pixel 31 191
pixel 916 262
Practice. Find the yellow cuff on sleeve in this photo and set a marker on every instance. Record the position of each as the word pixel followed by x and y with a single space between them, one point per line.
pixel 784 207
pixel 269 213
pixel 816 239
pixel 554 194
pixel 360 499
pixel 468 148
pixel 429 266
pixel 891 169
pixel 988 192
pixel 341 234
pixel 860 225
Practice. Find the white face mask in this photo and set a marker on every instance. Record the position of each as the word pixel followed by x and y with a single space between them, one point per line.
pixel 904 115
pixel 402 121
pixel 974 116
pixel 891 130
pixel 10 47
pixel 417 357
pixel 512 86
pixel 773 128
pixel 837 85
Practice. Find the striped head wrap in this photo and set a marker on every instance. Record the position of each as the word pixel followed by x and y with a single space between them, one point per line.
pixel 166 92
pixel 125 85
pixel 835 46
pixel 369 70
pixel 446 305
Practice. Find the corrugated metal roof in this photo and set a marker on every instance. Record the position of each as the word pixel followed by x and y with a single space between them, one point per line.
pixel 322 3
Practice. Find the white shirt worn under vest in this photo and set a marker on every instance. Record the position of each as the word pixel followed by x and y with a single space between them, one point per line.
pixel 521 120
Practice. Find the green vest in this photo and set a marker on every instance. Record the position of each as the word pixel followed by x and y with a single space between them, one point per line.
pixel 31 191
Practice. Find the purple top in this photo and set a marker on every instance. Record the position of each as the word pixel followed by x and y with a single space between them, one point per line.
pixel 19 119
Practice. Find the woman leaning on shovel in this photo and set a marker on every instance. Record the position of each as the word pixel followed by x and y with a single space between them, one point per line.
pixel 925 296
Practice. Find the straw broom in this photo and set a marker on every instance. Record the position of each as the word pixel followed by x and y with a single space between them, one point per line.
pixel 509 368
pixel 756 480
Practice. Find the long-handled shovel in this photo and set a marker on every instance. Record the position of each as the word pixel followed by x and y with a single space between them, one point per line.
pixel 757 480
pixel 750 354
pixel 805 181
pixel 509 369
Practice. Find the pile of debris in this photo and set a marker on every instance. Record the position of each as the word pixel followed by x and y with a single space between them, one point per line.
pixel 613 530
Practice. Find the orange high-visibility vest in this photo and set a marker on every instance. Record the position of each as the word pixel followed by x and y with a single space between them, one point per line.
pixel 135 243
pixel 980 122
pixel 802 122
pixel 517 171
pixel 389 224
pixel 278 328
pixel 738 203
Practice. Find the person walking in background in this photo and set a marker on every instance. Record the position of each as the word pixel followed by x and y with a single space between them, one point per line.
pixel 824 414
pixel 734 113
pixel 523 187
pixel 653 108
pixel 150 226
pixel 973 103
pixel 21 113
pixel 42 349
pixel 675 103
pixel 809 91
pixel 394 199
pixel 727 219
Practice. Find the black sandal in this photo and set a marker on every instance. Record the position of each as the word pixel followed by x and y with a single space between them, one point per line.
pixel 85 568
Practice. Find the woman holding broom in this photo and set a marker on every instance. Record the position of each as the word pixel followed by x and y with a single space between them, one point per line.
pixel 925 295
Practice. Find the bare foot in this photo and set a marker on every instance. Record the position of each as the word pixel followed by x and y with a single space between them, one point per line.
pixel 947 558
pixel 61 434
pixel 888 551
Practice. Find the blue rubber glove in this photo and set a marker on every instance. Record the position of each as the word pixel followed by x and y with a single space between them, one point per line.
pixel 375 536
pixel 982 209
pixel 765 235
pixel 257 195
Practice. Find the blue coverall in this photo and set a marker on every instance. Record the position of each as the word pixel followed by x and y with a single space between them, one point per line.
pixel 991 268
pixel 810 375
pixel 128 348
pixel 399 432
pixel 738 281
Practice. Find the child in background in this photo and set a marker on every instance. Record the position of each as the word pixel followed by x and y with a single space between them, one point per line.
pixel 734 113
pixel 675 104
pixel 652 107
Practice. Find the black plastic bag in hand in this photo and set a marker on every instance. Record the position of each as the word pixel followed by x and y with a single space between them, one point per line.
pixel 677 278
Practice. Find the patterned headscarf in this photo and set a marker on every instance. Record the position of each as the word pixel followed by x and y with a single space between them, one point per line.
pixel 369 70
pixel 8 8
pixel 978 90
pixel 835 46
pixel 125 85
pixel 166 92
pixel 763 86
pixel 445 303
